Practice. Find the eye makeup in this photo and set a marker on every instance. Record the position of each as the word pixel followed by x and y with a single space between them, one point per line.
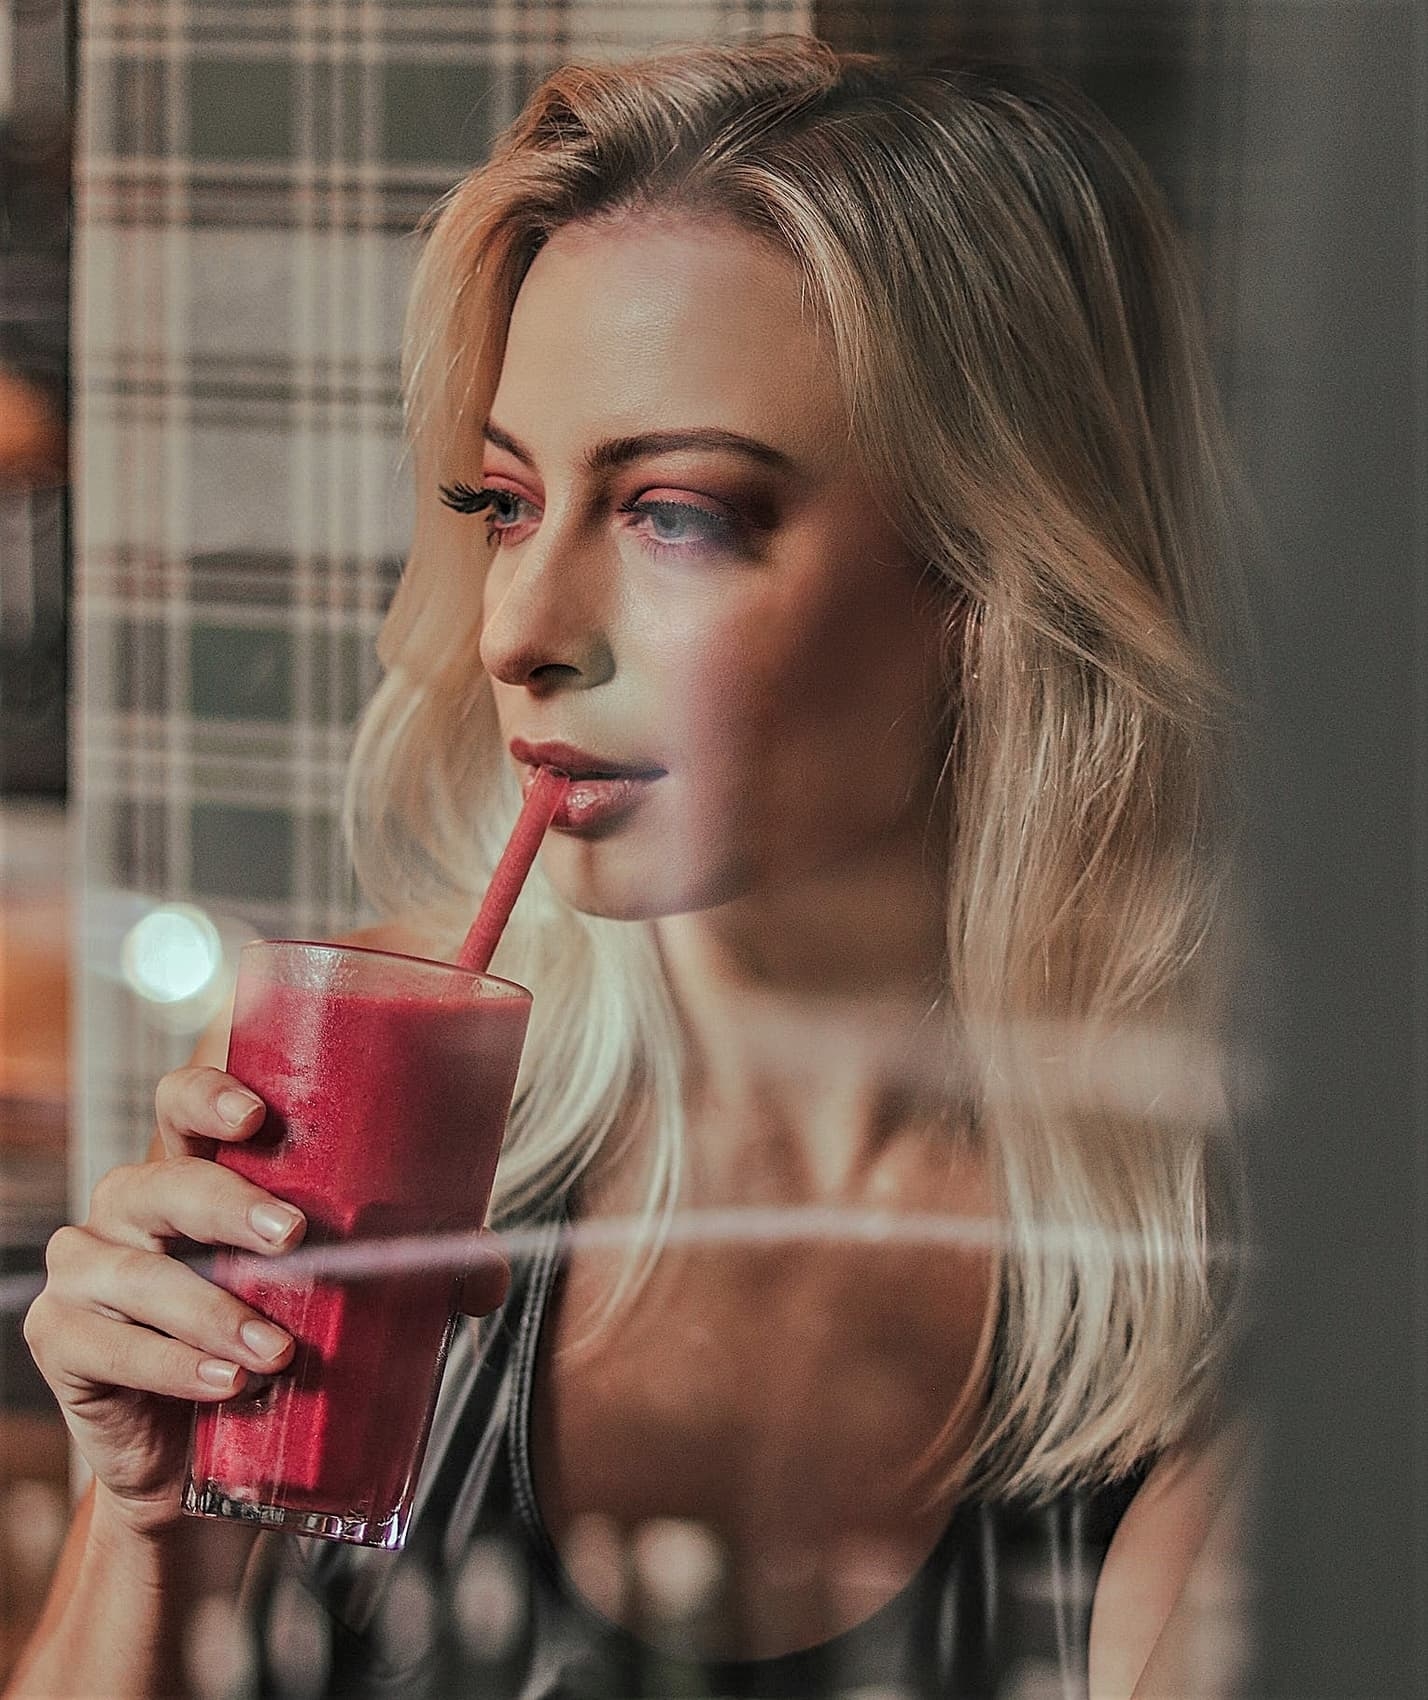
pixel 682 527
pixel 665 527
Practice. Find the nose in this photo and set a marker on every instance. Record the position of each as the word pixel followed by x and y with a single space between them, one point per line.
pixel 544 627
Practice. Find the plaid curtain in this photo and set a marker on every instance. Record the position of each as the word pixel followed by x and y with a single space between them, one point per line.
pixel 247 183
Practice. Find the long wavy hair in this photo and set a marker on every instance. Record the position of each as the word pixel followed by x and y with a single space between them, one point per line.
pixel 1021 348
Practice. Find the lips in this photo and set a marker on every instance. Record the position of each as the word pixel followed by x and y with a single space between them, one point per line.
pixel 602 791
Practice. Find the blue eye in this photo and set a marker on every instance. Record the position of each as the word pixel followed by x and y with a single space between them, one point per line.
pixel 682 526
pixel 501 507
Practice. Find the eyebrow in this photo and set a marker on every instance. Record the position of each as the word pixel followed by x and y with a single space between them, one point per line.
pixel 619 451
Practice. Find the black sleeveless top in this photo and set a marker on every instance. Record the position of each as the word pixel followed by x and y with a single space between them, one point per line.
pixel 478 1603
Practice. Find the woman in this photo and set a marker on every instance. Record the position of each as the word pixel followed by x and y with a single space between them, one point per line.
pixel 820 461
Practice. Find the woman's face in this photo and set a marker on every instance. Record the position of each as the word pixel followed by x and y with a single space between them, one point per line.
pixel 696 604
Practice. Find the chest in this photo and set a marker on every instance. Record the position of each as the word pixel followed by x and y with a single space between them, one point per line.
pixel 794 1407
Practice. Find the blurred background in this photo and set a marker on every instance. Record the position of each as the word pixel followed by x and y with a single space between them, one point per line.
pixel 205 239
pixel 36 163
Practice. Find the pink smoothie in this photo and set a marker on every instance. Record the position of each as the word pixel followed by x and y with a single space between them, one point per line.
pixel 390 1125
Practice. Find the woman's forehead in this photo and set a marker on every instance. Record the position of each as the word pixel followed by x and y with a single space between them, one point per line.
pixel 663 323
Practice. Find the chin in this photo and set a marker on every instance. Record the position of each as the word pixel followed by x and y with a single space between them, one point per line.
pixel 618 882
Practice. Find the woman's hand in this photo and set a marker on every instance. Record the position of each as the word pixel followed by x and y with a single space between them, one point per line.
pixel 125 1334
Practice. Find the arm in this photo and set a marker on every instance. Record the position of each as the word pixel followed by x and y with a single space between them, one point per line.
pixel 113 1624
pixel 1165 1624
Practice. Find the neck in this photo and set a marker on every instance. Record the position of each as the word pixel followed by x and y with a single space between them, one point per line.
pixel 802 1007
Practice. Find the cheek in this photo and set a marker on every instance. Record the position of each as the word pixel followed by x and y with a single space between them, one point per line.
pixel 808 715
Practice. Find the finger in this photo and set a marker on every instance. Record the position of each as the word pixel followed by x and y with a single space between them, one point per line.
pixel 196 1106
pixel 158 1293
pixel 487 1279
pixel 103 1352
pixel 148 1204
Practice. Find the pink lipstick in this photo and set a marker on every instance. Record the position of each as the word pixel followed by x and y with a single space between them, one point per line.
pixel 603 789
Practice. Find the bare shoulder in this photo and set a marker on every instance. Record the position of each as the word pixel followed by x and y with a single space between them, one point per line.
pixel 1173 1557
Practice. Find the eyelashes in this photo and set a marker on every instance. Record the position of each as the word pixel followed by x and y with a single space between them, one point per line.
pixel 468 501
pixel 712 533
pixel 462 497
pixel 465 500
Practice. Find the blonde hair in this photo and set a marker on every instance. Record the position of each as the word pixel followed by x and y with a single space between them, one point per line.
pixel 1020 344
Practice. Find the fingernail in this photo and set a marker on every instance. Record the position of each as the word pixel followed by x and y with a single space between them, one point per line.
pixel 262 1338
pixel 235 1107
pixel 217 1373
pixel 274 1221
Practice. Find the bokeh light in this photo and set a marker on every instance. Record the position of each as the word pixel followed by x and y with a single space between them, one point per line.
pixel 488 1601
pixel 172 954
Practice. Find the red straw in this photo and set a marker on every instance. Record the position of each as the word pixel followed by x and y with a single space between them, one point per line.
pixel 542 800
